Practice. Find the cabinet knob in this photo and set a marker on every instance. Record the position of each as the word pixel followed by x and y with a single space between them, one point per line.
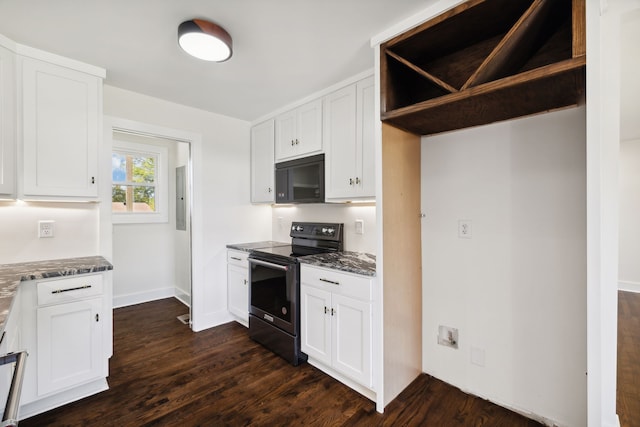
pixel 270 189
pixel 357 180
pixel 93 179
pixel 97 317
pixel 293 143
pixel 297 142
pixel 325 309
pixel 245 281
pixel 350 181
pixel 333 311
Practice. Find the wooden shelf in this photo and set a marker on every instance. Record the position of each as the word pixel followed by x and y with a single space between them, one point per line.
pixel 484 61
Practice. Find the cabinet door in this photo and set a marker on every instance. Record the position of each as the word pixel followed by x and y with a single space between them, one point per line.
pixel 351 330
pixel 61 127
pixel 315 322
pixel 286 135
pixel 238 291
pixel 365 144
pixel 69 342
pixel 262 169
pixel 340 142
pixel 7 122
pixel 309 138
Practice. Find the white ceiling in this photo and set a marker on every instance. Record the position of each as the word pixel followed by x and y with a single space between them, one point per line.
pixel 284 50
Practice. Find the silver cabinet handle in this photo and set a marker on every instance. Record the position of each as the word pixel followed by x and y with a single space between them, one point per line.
pixel 357 180
pixel 236 258
pixel 325 309
pixel 333 312
pixel 245 281
pixel 97 317
pixel 350 181
pixel 270 190
pixel 293 143
pixel 59 291
pixel 297 142
pixel 329 281
pixel 10 417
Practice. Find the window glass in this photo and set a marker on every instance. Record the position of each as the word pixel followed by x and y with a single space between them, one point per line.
pixel 134 178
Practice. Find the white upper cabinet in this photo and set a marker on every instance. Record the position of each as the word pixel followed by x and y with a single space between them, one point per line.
pixel 262 169
pixel 7 123
pixel 349 142
pixel 61 120
pixel 299 132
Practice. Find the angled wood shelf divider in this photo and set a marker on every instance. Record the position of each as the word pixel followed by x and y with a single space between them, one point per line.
pixel 484 61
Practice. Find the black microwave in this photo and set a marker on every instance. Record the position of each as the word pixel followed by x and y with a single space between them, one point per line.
pixel 300 180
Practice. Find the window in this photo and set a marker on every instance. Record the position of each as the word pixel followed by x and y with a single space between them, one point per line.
pixel 139 183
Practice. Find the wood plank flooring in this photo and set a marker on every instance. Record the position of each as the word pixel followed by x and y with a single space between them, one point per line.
pixel 628 395
pixel 163 374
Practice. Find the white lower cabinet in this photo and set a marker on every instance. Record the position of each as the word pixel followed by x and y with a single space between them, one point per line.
pixel 336 322
pixel 69 344
pixel 66 327
pixel 238 285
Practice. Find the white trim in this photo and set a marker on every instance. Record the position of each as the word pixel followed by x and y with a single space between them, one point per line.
pixel 62 398
pixel 314 96
pixel 198 286
pixel 142 297
pixel 161 215
pixel 629 286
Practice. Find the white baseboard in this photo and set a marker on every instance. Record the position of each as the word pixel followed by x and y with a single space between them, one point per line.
pixel 209 320
pixel 183 297
pixel 629 286
pixel 141 297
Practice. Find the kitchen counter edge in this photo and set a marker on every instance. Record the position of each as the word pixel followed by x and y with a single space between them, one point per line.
pixel 12 274
pixel 360 263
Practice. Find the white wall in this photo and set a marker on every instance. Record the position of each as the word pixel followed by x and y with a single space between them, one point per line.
pixel 282 216
pixel 75 231
pixel 227 215
pixel 517 289
pixel 629 267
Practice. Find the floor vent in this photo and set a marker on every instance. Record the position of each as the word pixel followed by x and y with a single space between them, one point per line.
pixel 184 318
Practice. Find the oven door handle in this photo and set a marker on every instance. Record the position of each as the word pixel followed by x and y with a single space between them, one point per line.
pixel 269 264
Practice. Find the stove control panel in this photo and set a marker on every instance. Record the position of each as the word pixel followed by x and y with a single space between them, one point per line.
pixel 317 230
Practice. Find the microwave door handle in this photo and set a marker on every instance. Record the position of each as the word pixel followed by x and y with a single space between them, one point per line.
pixel 269 264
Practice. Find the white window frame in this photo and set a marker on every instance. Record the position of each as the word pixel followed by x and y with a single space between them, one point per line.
pixel 161 215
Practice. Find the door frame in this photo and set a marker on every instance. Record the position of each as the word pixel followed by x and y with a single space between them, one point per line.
pixel 194 177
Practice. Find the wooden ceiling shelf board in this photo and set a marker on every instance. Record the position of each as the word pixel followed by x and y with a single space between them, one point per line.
pixel 484 61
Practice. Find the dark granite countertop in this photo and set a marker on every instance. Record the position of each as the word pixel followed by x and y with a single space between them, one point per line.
pixel 12 274
pixel 248 247
pixel 351 262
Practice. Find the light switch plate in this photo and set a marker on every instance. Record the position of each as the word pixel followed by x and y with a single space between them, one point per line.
pixel 464 229
pixel 359 226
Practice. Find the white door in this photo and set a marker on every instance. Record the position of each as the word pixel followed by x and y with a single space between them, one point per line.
pixel 315 323
pixel 238 288
pixel 262 167
pixel 365 160
pixel 309 138
pixel 7 122
pixel 61 119
pixel 352 338
pixel 340 142
pixel 286 135
pixel 69 344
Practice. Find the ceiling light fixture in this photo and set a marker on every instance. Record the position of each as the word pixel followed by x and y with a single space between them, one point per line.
pixel 205 40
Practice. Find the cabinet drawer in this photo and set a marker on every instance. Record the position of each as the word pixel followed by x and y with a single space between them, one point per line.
pixel 238 258
pixel 337 282
pixel 69 289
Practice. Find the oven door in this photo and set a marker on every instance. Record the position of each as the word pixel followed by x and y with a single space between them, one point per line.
pixel 273 293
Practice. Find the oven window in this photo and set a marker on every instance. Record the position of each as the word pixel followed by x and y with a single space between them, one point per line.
pixel 270 292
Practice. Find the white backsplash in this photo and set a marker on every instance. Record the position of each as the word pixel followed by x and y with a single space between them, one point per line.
pixel 75 230
pixel 283 216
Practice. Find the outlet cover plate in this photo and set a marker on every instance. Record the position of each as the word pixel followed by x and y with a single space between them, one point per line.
pixel 464 229
pixel 448 336
pixel 45 228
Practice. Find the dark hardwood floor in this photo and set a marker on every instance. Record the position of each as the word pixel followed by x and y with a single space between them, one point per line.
pixel 628 396
pixel 162 374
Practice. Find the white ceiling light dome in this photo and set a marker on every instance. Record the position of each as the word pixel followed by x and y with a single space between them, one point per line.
pixel 205 40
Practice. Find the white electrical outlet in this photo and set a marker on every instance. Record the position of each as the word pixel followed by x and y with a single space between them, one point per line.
pixel 464 229
pixel 45 228
pixel 448 336
pixel 359 226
